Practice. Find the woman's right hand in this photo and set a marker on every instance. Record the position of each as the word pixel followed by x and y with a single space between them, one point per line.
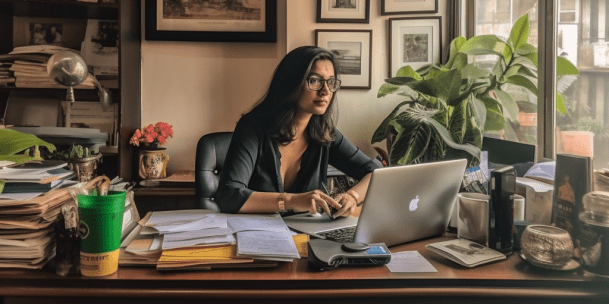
pixel 311 202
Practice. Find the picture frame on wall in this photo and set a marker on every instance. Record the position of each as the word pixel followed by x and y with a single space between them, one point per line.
pixel 353 50
pixel 214 21
pixel 343 11
pixel 414 41
pixel 398 7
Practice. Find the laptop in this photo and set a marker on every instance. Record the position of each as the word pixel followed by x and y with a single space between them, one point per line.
pixel 403 204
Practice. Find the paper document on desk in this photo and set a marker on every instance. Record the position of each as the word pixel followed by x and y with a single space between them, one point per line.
pixel 264 222
pixel 267 245
pixel 185 220
pixel 211 240
pixel 409 261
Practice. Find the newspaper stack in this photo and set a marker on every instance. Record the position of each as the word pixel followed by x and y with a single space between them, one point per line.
pixel 26 67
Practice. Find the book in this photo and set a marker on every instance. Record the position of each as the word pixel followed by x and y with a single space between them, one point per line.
pixel 573 179
pixel 466 253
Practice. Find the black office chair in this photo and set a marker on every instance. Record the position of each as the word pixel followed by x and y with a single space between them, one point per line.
pixel 209 161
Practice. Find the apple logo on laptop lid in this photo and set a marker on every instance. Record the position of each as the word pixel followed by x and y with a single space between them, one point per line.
pixel 414 204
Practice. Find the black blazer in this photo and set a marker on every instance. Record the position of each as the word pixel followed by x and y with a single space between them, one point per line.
pixel 253 163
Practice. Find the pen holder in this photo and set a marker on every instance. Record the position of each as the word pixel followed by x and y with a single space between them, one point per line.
pixel 101 219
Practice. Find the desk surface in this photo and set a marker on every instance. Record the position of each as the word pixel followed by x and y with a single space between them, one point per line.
pixel 512 279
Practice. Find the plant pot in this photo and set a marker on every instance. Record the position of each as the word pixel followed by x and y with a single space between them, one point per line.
pixel 578 142
pixel 153 164
pixel 527 119
pixel 86 167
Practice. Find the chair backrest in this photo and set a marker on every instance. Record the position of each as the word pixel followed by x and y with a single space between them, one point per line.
pixel 209 161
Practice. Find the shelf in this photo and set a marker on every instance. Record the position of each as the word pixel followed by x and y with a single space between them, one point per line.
pixel 61 9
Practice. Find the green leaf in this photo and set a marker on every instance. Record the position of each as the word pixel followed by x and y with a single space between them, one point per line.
pixel 519 35
pixel 472 150
pixel 525 71
pixel 560 104
pixel 387 89
pixel 382 132
pixel 458 122
pixel 455 47
pixel 510 108
pixel 472 72
pixel 534 58
pixel 523 82
pixel 478 109
pixel 407 71
pixel 526 49
pixel 487 45
pixel 445 85
pixel 494 114
pixel 1 185
pixel 565 67
pixel 14 142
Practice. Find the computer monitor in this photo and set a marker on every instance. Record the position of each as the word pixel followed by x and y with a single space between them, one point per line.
pixel 505 152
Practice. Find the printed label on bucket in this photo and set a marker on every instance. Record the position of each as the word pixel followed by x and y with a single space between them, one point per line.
pixel 99 264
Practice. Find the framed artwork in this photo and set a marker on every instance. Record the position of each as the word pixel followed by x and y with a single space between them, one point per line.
pixel 414 41
pixel 343 11
pixel 398 7
pixel 353 50
pixel 212 20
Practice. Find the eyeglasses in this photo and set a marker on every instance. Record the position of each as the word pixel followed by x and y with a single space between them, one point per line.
pixel 317 84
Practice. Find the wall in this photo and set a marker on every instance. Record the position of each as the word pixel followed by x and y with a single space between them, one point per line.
pixel 203 87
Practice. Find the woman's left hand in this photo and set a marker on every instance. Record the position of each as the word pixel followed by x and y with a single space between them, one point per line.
pixel 348 202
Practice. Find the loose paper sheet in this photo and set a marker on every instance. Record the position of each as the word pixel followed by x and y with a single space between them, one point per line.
pixel 409 261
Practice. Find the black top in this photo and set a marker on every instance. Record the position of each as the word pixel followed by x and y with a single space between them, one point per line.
pixel 253 162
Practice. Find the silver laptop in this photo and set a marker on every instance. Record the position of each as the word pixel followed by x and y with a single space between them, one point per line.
pixel 403 204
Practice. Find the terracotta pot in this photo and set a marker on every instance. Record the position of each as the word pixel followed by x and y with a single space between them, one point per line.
pixel 153 164
pixel 578 142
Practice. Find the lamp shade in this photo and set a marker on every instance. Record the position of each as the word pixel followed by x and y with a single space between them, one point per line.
pixel 67 68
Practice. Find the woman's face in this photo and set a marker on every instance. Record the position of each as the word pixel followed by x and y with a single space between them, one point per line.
pixel 317 102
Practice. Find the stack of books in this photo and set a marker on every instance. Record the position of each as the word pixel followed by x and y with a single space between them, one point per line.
pixel 6 76
pixel 198 239
pixel 26 67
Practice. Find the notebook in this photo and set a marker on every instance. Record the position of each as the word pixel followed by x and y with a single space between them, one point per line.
pixel 403 204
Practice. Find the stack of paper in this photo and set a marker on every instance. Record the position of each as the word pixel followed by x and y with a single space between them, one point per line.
pixel 33 179
pixel 198 239
pixel 26 229
pixel 27 67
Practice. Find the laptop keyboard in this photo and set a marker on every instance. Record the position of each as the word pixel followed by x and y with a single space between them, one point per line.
pixel 341 235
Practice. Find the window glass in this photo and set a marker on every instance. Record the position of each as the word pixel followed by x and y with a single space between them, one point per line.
pixel 497 17
pixel 583 127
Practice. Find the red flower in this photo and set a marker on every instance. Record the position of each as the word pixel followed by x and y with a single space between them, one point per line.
pixel 157 133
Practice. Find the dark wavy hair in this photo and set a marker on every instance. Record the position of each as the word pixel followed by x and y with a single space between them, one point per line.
pixel 279 104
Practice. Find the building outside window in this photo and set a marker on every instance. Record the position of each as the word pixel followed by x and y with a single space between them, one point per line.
pixel 581 37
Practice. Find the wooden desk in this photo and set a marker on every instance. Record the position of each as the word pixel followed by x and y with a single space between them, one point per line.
pixel 510 281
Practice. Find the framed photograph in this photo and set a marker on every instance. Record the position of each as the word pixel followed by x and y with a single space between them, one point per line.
pixel 414 41
pixel 212 20
pixel 343 11
pixel 353 50
pixel 398 7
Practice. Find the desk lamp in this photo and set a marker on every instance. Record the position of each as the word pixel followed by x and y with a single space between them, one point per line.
pixel 69 69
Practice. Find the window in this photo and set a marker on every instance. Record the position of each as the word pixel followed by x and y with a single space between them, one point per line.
pixel 581 122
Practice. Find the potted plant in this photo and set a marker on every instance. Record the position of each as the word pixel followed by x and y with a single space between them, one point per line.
pixel 152 160
pixel 449 106
pixel 83 163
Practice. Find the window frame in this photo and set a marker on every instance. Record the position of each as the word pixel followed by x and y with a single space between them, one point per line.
pixel 546 106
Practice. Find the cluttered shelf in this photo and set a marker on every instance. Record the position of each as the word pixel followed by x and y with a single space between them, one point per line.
pixel 511 279
pixel 62 9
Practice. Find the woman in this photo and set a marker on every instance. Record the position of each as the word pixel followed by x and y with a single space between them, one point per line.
pixel 279 154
